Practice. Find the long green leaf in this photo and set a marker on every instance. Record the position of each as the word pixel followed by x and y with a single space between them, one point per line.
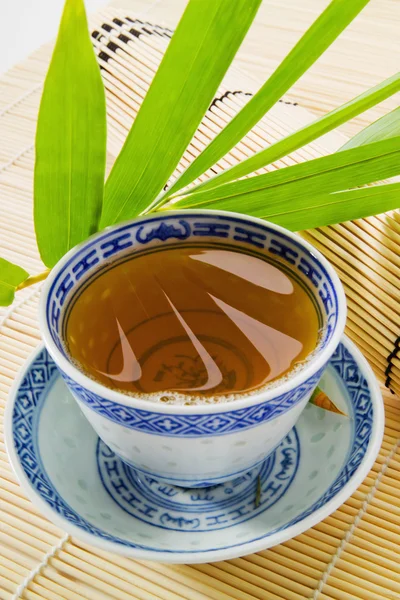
pixel 325 209
pixel 384 128
pixel 307 134
pixel 314 42
pixel 194 64
pixel 70 141
pixel 336 208
pixel 10 277
pixel 288 188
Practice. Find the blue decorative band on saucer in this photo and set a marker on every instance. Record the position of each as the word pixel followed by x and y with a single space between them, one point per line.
pixel 170 507
pixel 184 425
pixel 25 423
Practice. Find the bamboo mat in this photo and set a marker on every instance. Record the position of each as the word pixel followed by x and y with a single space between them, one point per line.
pixel 354 553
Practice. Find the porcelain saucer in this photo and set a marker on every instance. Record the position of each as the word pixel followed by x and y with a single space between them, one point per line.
pixel 80 484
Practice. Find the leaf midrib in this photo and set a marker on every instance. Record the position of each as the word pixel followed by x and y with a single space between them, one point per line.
pixel 8 285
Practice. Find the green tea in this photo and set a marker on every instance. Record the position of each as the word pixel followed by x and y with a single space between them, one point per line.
pixel 198 320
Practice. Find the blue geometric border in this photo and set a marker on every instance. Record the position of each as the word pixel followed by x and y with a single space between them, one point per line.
pixel 151 234
pixel 31 395
pixel 184 425
pixel 131 494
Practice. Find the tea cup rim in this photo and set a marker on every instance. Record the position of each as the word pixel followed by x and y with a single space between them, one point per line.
pixel 315 363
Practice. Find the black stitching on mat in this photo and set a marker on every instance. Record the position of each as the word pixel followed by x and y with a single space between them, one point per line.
pixel 123 38
pixel 220 98
pixel 165 30
pixel 287 102
pixel 389 359
pixel 104 56
pixel 135 32
pixel 113 47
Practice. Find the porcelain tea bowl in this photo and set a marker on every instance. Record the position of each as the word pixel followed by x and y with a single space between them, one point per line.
pixel 195 445
pixel 83 487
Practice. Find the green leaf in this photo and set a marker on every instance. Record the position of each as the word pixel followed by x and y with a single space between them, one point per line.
pixel 314 42
pixel 194 64
pixel 10 277
pixel 313 131
pixel 291 187
pixel 326 209
pixel 336 208
pixel 320 399
pixel 384 128
pixel 70 141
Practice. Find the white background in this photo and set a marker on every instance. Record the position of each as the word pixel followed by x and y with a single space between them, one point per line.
pixel 27 24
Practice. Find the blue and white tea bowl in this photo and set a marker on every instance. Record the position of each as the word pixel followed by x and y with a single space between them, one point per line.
pixel 196 445
pixel 87 490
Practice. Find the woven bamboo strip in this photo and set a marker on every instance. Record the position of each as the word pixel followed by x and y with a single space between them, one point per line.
pixel 143 572
pixel 148 570
pixel 271 584
pixel 108 583
pixel 255 575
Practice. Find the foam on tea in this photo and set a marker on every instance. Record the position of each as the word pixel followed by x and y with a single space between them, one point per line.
pixel 199 321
